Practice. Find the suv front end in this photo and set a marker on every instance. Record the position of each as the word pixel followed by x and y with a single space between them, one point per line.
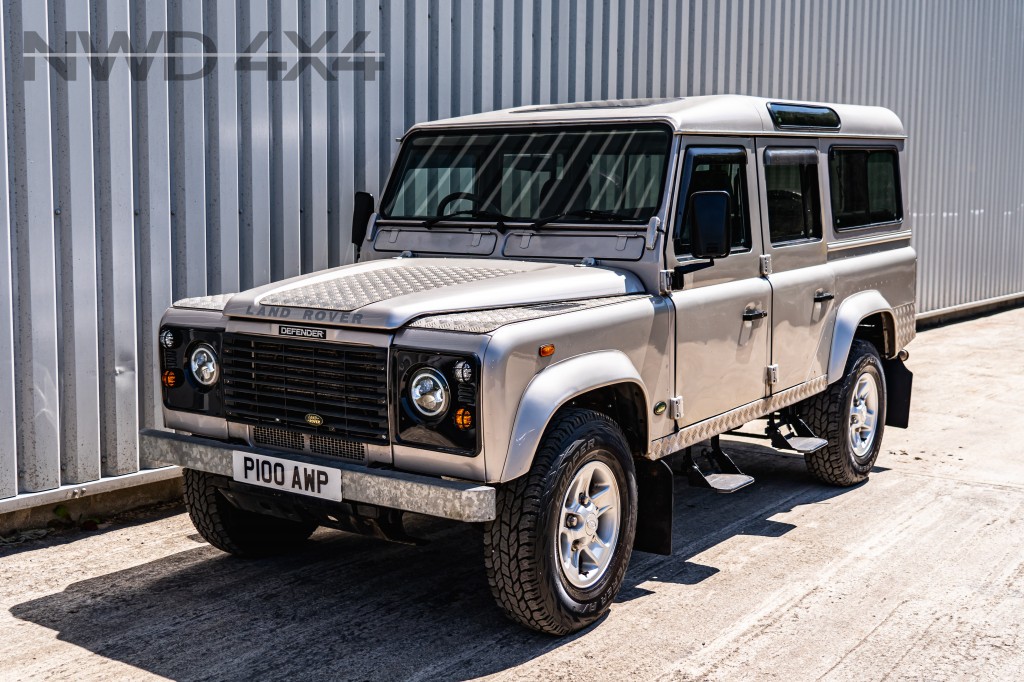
pixel 326 397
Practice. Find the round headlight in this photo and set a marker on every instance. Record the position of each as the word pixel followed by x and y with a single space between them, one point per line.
pixel 429 392
pixel 203 363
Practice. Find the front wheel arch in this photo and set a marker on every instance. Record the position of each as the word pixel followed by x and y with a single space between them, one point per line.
pixel 592 380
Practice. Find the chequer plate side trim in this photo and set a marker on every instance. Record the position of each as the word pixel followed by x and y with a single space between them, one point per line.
pixel 695 433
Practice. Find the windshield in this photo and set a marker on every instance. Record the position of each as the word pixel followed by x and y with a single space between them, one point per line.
pixel 606 174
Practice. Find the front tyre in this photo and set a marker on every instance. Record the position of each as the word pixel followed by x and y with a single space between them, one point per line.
pixel 850 414
pixel 234 530
pixel 557 553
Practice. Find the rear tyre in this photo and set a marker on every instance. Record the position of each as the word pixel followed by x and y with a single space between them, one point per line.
pixel 557 553
pixel 233 530
pixel 851 416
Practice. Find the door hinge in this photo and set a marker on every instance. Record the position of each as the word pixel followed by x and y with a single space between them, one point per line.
pixel 772 375
pixel 766 265
pixel 677 407
pixel 666 278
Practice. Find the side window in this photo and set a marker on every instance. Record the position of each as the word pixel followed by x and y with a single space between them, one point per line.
pixel 721 169
pixel 791 188
pixel 865 187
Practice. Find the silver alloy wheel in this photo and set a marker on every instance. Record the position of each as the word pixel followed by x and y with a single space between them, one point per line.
pixel 863 415
pixel 589 524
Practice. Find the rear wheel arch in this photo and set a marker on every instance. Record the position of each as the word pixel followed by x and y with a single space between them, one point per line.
pixel 879 329
pixel 868 316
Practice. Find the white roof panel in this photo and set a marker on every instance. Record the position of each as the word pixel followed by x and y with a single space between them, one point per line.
pixel 713 114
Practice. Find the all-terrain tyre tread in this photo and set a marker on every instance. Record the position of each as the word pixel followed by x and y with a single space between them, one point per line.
pixel 233 530
pixel 826 414
pixel 510 557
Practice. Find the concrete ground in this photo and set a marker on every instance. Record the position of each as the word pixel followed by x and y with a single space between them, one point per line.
pixel 917 574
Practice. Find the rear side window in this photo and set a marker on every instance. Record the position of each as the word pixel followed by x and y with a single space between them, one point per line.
pixel 794 204
pixel 865 187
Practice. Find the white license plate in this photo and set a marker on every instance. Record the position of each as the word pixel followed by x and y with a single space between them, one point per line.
pixel 287 475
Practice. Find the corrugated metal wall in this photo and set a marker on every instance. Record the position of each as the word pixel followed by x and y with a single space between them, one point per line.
pixel 128 189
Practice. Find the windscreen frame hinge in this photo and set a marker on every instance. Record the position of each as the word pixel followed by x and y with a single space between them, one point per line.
pixel 653 230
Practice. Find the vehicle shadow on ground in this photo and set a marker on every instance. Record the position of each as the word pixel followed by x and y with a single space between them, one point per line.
pixel 356 608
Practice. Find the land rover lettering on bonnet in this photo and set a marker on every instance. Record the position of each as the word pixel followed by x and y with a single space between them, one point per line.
pixel 554 310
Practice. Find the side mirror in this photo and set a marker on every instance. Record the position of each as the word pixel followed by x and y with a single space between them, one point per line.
pixel 362 209
pixel 710 224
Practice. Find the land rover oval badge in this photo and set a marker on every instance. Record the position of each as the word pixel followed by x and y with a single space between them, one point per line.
pixel 314 419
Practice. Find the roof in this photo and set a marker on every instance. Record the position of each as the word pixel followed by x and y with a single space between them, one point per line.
pixel 712 114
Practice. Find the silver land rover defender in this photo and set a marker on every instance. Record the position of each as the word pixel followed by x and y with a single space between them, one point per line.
pixel 552 304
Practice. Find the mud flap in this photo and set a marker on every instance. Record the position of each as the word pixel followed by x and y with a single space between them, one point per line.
pixel 899 382
pixel 654 510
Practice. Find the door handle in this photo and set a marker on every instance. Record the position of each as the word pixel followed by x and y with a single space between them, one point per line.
pixel 822 296
pixel 751 314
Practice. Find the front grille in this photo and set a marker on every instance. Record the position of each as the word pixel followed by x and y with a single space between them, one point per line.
pixel 280 382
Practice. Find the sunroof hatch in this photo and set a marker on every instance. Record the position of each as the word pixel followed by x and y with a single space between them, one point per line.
pixel 803 116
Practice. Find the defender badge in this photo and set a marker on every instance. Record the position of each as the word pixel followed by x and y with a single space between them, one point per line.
pixel 303 332
pixel 314 419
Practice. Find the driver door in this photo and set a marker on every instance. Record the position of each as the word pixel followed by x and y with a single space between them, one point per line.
pixel 722 311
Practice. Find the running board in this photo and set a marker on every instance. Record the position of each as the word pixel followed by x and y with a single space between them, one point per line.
pixel 725 483
pixel 719 473
pixel 800 439
pixel 802 444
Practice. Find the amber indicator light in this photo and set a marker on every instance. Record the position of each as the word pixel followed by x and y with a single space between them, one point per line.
pixel 171 378
pixel 547 350
pixel 463 418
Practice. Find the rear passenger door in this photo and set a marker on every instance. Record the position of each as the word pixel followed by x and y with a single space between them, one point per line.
pixel 791 177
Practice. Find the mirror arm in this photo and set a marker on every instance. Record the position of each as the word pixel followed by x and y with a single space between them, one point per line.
pixel 364 219
pixel 679 271
pixel 371 228
pixel 371 234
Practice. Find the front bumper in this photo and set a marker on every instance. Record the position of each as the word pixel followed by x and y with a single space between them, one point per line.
pixel 455 500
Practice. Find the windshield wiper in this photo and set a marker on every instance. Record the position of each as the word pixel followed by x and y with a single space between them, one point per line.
pixel 473 213
pixel 591 213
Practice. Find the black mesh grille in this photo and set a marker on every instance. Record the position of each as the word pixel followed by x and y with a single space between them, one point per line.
pixel 280 382
pixel 278 438
pixel 337 447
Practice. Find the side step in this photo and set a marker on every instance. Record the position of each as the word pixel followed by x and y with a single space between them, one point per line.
pixel 719 472
pixel 800 438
